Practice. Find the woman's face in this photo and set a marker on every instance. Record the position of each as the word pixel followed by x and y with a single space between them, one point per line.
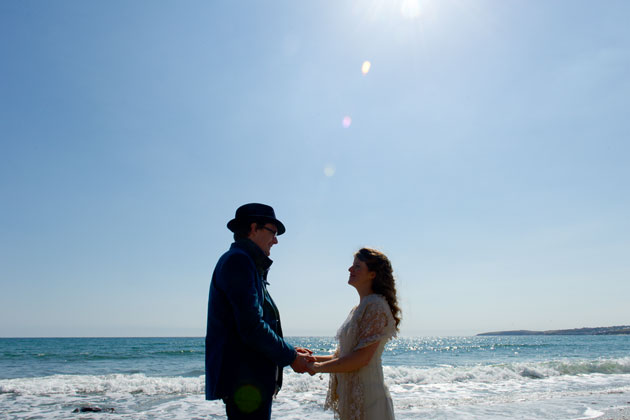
pixel 360 275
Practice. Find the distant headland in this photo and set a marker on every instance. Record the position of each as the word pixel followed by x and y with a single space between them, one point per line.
pixel 617 330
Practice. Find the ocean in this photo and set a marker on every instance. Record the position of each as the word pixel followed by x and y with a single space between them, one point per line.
pixel 527 377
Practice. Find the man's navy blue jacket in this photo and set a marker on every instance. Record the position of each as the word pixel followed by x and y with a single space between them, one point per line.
pixel 244 344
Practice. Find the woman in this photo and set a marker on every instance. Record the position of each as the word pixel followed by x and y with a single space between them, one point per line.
pixel 357 390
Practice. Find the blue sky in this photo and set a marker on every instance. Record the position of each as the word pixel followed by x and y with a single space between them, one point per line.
pixel 487 156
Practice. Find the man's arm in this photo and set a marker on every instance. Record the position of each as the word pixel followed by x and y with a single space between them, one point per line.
pixel 239 278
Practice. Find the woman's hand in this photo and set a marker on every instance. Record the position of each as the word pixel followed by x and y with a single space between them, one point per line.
pixel 317 366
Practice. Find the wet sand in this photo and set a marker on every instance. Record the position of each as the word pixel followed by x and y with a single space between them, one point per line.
pixel 617 414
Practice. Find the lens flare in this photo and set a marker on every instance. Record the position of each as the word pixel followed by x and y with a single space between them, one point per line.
pixel 329 170
pixel 346 122
pixel 365 68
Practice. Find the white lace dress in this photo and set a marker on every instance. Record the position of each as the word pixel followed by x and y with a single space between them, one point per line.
pixel 362 394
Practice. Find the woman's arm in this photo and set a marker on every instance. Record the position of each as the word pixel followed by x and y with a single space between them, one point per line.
pixel 323 358
pixel 354 361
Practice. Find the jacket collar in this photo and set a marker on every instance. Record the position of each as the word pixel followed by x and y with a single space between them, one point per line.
pixel 261 261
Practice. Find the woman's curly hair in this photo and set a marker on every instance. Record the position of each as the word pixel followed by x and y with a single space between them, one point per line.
pixel 384 283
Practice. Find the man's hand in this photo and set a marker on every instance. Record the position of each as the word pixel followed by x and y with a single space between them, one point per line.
pixel 304 350
pixel 303 363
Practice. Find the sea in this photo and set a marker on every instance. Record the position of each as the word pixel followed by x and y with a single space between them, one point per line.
pixel 503 377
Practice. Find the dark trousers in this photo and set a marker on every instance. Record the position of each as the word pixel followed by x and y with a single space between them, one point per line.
pixel 235 411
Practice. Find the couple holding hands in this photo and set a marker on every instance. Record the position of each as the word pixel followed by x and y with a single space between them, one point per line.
pixel 245 349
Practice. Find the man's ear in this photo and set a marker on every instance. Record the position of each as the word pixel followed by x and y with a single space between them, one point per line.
pixel 252 229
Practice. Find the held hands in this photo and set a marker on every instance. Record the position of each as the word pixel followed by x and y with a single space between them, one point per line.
pixel 304 350
pixel 304 361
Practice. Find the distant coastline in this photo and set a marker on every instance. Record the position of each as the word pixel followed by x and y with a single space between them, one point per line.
pixel 616 330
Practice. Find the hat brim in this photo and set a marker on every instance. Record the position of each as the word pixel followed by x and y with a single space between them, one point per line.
pixel 236 223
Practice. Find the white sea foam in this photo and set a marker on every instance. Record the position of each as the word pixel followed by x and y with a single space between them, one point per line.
pixel 543 390
pixel 405 379
pixel 590 413
pixel 102 384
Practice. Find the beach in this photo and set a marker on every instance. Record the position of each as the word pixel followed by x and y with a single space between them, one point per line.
pixel 536 378
pixel 617 414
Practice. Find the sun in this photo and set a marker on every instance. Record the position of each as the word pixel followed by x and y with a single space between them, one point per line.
pixel 410 9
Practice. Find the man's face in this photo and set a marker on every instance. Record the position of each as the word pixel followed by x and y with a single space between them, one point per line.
pixel 265 238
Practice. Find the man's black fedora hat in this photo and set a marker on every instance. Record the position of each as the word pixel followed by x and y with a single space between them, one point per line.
pixel 255 212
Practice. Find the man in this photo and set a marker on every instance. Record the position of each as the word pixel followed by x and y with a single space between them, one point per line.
pixel 245 351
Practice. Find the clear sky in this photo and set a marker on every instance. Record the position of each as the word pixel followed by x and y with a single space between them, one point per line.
pixel 486 152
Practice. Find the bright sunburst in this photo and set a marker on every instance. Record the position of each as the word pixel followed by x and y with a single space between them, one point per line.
pixel 410 9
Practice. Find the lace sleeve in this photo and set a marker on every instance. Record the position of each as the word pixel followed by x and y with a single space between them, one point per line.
pixel 374 325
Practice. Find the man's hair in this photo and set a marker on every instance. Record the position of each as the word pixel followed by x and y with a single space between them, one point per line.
pixel 242 231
